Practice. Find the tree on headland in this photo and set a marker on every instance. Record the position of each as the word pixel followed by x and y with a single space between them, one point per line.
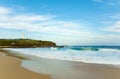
pixel 25 43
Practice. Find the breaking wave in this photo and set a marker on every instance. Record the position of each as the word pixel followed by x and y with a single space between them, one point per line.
pixel 79 54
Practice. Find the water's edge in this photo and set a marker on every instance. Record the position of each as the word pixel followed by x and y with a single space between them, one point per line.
pixel 53 67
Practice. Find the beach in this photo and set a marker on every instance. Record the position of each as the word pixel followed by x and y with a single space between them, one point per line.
pixel 60 69
pixel 59 39
pixel 10 69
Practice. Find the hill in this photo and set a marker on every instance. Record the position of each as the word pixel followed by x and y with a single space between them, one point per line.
pixel 25 43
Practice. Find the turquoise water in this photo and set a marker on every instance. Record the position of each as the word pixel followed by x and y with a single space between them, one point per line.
pixel 49 61
pixel 98 55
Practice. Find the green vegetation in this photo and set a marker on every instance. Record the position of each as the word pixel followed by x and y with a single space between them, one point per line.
pixel 25 43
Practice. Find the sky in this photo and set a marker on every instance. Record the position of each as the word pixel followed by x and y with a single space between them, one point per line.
pixel 66 22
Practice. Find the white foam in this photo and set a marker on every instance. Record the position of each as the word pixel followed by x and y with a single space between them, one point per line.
pixel 109 50
pixel 103 56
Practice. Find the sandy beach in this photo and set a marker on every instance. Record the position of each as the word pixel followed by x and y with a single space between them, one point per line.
pixel 60 69
pixel 10 69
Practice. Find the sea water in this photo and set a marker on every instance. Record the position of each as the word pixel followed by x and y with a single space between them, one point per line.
pixel 53 61
pixel 86 54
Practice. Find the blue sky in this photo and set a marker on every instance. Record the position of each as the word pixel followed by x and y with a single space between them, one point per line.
pixel 66 22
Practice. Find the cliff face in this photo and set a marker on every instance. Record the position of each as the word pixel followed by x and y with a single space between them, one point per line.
pixel 25 43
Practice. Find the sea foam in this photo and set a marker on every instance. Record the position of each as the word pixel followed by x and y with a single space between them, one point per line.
pixel 101 56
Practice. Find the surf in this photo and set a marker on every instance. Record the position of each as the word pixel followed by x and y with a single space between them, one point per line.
pixel 110 56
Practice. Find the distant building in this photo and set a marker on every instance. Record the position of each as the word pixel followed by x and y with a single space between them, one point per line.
pixel 23 35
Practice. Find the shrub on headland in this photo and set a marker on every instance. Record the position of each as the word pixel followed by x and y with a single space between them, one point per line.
pixel 25 43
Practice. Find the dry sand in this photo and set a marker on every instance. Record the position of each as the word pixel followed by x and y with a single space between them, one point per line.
pixel 10 69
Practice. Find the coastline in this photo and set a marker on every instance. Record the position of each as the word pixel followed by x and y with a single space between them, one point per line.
pixel 10 69
pixel 61 69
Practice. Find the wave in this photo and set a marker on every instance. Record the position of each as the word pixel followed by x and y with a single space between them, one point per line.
pixel 100 56
pixel 95 49
pixel 84 48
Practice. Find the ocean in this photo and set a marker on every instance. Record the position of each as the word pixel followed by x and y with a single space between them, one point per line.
pixel 87 54
pixel 72 62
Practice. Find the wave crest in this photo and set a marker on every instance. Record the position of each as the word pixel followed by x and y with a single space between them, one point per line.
pixel 87 55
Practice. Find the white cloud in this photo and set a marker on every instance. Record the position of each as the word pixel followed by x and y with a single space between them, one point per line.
pixel 98 1
pixel 60 30
pixel 114 28
pixel 115 16
pixel 4 10
pixel 30 18
pixel 38 23
pixel 113 2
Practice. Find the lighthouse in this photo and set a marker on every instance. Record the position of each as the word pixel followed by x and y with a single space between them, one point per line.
pixel 23 35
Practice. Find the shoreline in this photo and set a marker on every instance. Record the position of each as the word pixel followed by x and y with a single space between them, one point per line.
pixel 56 69
pixel 72 70
pixel 10 68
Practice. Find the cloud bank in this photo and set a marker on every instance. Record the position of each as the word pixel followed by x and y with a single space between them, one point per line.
pixel 37 23
pixel 73 32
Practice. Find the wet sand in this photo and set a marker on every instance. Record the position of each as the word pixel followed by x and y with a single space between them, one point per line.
pixel 10 69
pixel 57 69
pixel 99 70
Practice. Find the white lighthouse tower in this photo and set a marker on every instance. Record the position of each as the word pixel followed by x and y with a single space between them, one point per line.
pixel 23 35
